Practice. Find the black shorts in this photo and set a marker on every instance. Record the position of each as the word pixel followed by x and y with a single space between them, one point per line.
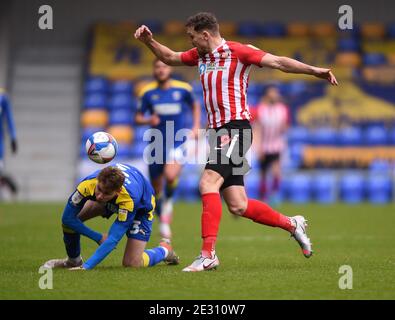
pixel 228 147
pixel 266 162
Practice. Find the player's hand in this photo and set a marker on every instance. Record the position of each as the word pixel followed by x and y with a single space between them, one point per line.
pixel 326 74
pixel 103 238
pixel 14 146
pixel 144 34
pixel 77 268
pixel 155 120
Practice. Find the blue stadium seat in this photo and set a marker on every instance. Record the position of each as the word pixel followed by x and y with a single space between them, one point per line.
pixel 137 149
pixel 348 44
pixel 351 136
pixel 189 187
pixel 379 189
pixel 391 136
pixel 95 101
pixel 391 30
pixel 298 134
pixel 324 187
pixel 380 166
pixel 300 188
pixel 352 187
pixel 324 136
pixel 122 101
pixel 252 181
pixel 255 88
pixel 139 132
pixel 296 154
pixel 375 135
pixel 96 85
pixel 121 116
pixel 124 151
pixel 374 59
pixel 122 86
pixel 248 29
pixel 272 29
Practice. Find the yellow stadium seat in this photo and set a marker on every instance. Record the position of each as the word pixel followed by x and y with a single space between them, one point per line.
pixel 391 58
pixel 298 29
pixel 227 28
pixel 121 133
pixel 174 28
pixel 348 59
pixel 323 30
pixel 94 118
pixel 373 30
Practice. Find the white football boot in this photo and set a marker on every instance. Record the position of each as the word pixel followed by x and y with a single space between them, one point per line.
pixel 300 235
pixel 203 264
pixel 63 263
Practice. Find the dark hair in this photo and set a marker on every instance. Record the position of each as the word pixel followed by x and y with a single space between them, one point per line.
pixel 112 178
pixel 203 21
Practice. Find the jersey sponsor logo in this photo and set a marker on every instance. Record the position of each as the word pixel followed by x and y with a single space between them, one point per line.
pixel 166 109
pixel 176 95
pixel 77 198
pixel 122 215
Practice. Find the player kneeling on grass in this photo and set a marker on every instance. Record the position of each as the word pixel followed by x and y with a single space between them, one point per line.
pixel 121 190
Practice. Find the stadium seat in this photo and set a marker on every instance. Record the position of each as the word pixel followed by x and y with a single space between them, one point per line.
pixel 189 187
pixel 324 136
pixel 94 118
pixel 391 136
pixel 323 30
pixel 391 30
pixel 124 151
pixel 324 187
pixel 252 181
pixel 351 136
pixel 137 149
pixel 121 87
pixel 298 29
pixel 122 101
pixel 248 29
pixel 139 132
pixel 174 28
pixel 352 187
pixel 272 29
pixel 373 31
pixel 155 26
pixel 121 116
pixel 300 188
pixel 374 59
pixel 296 154
pixel 96 85
pixel 255 88
pixel 228 28
pixel 95 101
pixel 348 59
pixel 121 133
pixel 379 166
pixel 298 134
pixel 379 189
pixel 375 136
pixel 348 44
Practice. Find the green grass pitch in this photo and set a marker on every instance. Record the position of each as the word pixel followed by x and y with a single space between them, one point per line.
pixel 257 262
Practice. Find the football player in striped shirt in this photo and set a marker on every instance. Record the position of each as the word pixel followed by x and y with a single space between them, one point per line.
pixel 224 68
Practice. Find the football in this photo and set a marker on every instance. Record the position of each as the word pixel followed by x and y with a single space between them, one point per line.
pixel 101 147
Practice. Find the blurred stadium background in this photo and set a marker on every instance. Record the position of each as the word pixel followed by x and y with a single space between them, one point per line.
pixel 83 76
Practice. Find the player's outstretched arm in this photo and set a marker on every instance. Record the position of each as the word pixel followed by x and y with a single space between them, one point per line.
pixel 293 66
pixel 163 53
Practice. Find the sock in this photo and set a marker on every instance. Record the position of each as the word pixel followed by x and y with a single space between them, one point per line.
pixel 153 256
pixel 170 187
pixel 158 206
pixel 275 184
pixel 211 216
pixel 72 244
pixel 261 213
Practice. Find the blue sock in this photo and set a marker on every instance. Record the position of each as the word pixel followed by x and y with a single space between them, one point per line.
pixel 153 256
pixel 72 244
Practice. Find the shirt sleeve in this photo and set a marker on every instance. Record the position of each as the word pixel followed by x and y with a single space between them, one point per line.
pixel 248 54
pixel 117 231
pixel 190 57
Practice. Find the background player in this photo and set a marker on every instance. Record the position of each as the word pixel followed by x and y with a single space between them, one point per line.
pixel 271 124
pixel 120 190
pixel 168 102
pixel 6 116
pixel 224 71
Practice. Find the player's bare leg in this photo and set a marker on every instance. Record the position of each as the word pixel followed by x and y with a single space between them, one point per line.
pixel 239 204
pixel 90 210
pixel 136 256
pixel 171 174
pixel 209 186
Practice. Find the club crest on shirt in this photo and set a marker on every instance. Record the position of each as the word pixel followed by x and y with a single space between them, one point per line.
pixel 177 95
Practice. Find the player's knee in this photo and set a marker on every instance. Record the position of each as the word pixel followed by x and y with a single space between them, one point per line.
pixel 237 209
pixel 132 263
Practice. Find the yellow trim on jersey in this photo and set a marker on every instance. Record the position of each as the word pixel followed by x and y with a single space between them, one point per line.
pixel 87 187
pixel 149 86
pixel 151 213
pixel 124 200
pixel 67 230
pixel 180 84
pixel 145 258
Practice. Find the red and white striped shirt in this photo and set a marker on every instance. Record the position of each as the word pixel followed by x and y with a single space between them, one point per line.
pixel 224 75
pixel 273 120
